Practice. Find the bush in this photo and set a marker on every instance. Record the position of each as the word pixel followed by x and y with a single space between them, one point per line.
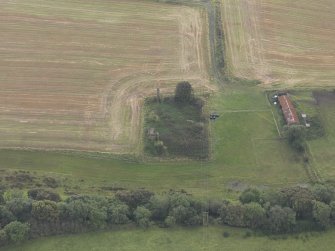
pixel 254 215
pixel 20 208
pixel 2 200
pixel 159 205
pixel 3 238
pixel 51 182
pixel 170 221
pixel 117 212
pixel 250 195
pixel 13 194
pixel 5 216
pixel 142 217
pixel 45 211
pixel 323 193
pixel 16 231
pixel 184 209
pixel 134 198
pixel 272 198
pixel 185 216
pixel 214 208
pixel 176 208
pixel 233 214
pixel 43 194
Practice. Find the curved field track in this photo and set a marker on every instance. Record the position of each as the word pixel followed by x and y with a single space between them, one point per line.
pixel 281 41
pixel 73 73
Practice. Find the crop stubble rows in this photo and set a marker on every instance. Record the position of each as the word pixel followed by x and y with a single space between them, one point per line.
pixel 286 42
pixel 73 74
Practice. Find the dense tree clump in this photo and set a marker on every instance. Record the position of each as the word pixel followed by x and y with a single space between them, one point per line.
pixel 183 92
pixel 281 220
pixel 296 136
pixel 280 211
pixel 321 214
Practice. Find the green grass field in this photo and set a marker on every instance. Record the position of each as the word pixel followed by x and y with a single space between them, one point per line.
pixel 181 239
pixel 246 139
pixel 323 149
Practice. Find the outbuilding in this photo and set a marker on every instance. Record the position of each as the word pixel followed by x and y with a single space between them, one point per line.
pixel 288 109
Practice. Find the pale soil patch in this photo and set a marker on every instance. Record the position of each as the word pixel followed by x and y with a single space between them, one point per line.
pixel 286 42
pixel 73 74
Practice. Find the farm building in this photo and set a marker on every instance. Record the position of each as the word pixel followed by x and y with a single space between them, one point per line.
pixel 288 109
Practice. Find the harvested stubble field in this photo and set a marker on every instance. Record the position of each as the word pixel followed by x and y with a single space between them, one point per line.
pixel 73 74
pixel 286 42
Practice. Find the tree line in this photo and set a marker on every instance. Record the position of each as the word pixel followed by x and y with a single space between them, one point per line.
pixel 40 212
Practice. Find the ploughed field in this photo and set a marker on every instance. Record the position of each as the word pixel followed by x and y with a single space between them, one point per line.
pixel 73 74
pixel 286 42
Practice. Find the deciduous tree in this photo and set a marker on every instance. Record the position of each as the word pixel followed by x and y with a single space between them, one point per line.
pixel 321 214
pixel 254 215
pixel 281 220
pixel 142 216
pixel 183 92
pixel 296 135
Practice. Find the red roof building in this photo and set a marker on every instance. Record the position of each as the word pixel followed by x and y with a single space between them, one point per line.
pixel 288 109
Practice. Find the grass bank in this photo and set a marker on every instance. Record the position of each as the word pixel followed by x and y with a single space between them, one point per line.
pixel 182 239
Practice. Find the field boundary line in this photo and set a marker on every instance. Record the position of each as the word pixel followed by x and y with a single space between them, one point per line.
pixel 279 139
pixel 237 111
pixel 279 133
pixel 274 119
pixel 313 165
pixel 254 152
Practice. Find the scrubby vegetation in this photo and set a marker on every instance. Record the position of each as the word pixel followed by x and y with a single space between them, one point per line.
pixel 176 125
pixel 316 129
pixel 292 209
